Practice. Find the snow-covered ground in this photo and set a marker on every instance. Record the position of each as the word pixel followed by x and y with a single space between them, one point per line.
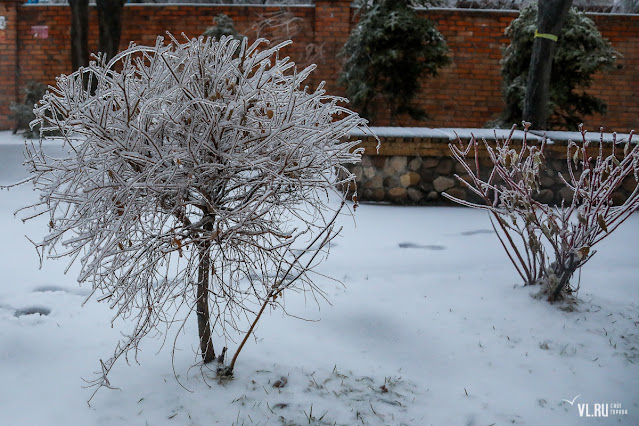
pixel 429 327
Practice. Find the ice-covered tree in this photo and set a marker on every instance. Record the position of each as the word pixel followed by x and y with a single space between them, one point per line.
pixel 198 181
pixel 387 54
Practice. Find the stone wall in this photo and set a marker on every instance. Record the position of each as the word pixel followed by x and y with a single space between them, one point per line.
pixel 414 166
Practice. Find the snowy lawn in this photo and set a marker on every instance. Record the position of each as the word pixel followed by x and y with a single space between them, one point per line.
pixel 430 326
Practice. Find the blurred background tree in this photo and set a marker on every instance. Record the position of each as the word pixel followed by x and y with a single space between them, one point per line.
pixel 581 51
pixel 387 54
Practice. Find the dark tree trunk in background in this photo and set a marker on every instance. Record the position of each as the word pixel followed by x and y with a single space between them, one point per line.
pixel 79 33
pixel 551 15
pixel 110 22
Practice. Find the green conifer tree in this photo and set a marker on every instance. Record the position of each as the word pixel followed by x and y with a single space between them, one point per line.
pixel 386 54
pixel 222 26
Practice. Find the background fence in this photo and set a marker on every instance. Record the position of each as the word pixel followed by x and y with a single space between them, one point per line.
pixel 34 45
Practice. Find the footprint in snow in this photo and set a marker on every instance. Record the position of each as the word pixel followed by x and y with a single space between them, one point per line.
pixel 49 288
pixel 477 232
pixel 59 289
pixel 421 246
pixel 32 310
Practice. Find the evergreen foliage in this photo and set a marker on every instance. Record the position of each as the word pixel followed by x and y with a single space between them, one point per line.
pixel 22 113
pixel 387 53
pixel 222 26
pixel 581 51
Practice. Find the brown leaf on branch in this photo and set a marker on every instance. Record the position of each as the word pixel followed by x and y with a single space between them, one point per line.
pixel 602 222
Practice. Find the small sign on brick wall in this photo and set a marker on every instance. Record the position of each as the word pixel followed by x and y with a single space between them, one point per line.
pixel 3 27
pixel 40 31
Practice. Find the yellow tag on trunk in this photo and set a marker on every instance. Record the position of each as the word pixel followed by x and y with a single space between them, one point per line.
pixel 547 36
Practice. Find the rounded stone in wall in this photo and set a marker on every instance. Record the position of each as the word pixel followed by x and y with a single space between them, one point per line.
pixel 465 178
pixel 358 172
pixel 379 161
pixel 459 168
pixel 397 194
pixel 426 187
pixel 392 182
pixel 409 179
pixel 369 172
pixel 379 194
pixel 427 175
pixel 415 194
pixel 398 163
pixel 415 164
pixel 432 196
pixel 374 183
pixel 373 194
pixel 445 166
pixel 366 161
pixel 457 193
pixel 443 183
pixel 430 162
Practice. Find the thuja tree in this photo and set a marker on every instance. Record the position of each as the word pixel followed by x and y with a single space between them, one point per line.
pixel 222 26
pixel 548 244
pixel 580 52
pixel 387 54
pixel 198 182
pixel 22 113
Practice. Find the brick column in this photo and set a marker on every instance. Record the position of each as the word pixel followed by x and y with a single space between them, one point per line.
pixel 332 28
pixel 8 59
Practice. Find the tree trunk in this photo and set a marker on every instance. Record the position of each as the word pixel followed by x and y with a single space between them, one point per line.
pixel 79 33
pixel 551 15
pixel 202 306
pixel 110 24
pixel 565 273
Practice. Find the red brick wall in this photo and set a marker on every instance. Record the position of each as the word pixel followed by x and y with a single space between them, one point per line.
pixel 619 88
pixel 8 60
pixel 44 59
pixel 465 94
pixel 468 92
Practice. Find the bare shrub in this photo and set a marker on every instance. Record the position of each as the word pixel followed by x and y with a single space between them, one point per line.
pixel 282 25
pixel 201 179
pixel 545 243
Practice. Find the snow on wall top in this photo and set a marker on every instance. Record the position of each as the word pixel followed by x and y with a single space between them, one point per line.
pixel 490 134
pixel 441 133
pixel 590 136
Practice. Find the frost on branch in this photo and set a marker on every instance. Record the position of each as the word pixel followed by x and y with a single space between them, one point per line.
pixel 198 180
pixel 547 244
